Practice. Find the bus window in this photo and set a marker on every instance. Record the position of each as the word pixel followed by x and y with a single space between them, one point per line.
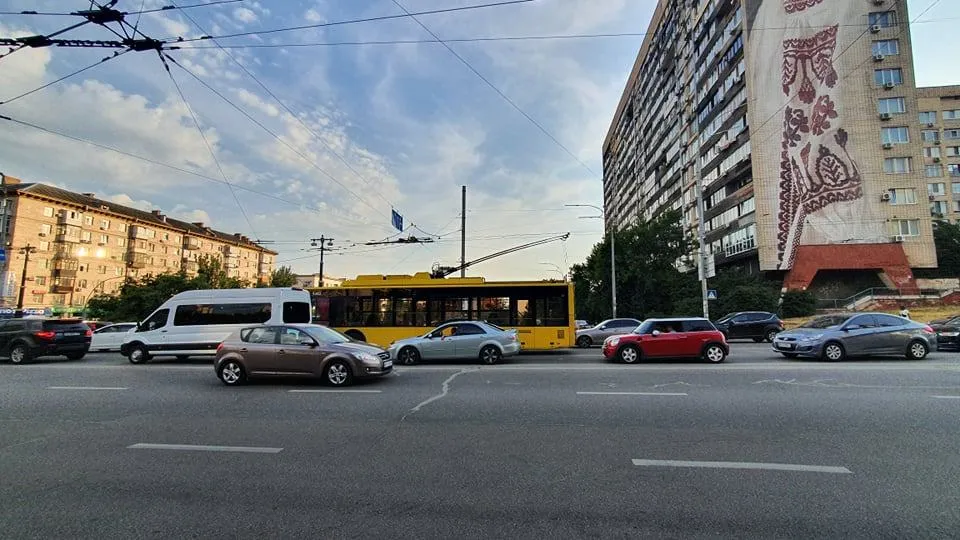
pixel 495 310
pixel 523 316
pixel 456 309
pixel 552 311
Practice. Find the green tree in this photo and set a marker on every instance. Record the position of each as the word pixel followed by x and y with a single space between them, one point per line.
pixel 136 299
pixel 283 277
pixel 946 237
pixel 211 274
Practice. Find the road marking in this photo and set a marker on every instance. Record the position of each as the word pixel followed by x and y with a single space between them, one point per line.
pixel 740 465
pixel 444 390
pixel 86 388
pixel 311 391
pixel 945 397
pixel 631 393
pixel 205 448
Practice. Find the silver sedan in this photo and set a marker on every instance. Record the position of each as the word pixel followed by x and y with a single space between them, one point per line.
pixel 458 340
pixel 836 337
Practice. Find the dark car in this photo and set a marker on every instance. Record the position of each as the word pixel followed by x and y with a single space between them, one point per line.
pixel 756 325
pixel 669 338
pixel 298 350
pixel 22 340
pixel 948 334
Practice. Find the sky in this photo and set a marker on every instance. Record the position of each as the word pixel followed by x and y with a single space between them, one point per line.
pixel 311 140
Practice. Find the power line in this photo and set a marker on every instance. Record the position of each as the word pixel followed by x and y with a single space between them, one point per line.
pixel 139 12
pixel 495 89
pixel 65 77
pixel 924 12
pixel 352 21
pixel 206 143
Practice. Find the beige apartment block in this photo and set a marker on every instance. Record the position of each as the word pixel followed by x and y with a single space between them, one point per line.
pixel 791 126
pixel 80 246
pixel 939 135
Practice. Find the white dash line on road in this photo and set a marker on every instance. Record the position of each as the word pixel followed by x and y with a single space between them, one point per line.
pixel 206 448
pixel 945 397
pixel 319 391
pixel 86 388
pixel 741 465
pixel 631 393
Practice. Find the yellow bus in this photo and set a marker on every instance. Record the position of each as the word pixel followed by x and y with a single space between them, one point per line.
pixel 381 309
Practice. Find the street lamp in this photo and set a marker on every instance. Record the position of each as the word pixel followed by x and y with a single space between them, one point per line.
pixel 94 291
pixel 555 269
pixel 613 254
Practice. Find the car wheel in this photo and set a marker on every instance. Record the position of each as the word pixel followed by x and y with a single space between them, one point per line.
pixel 584 342
pixel 490 355
pixel 338 373
pixel 789 354
pixel 408 356
pixel 76 356
pixel 834 352
pixel 183 357
pixel 629 354
pixel 771 334
pixel 714 354
pixel 138 354
pixel 231 373
pixel 917 350
pixel 19 354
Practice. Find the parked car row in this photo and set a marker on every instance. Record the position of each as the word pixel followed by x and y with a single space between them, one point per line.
pixel 756 325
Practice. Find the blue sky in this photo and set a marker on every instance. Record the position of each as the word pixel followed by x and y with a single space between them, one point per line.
pixel 375 126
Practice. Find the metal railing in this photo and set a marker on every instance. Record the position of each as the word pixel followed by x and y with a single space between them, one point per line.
pixel 851 302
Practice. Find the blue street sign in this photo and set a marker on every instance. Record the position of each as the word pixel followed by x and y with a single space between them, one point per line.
pixel 3 255
pixel 712 294
pixel 397 220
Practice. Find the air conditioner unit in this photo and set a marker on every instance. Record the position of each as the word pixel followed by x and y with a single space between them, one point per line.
pixel 86 241
pixel 889 85
pixel 932 198
pixel 936 159
pixel 875 28
pixel 887 146
pixel 898 238
pixel 886 197
pixel 878 58
pixel 931 124
pixel 885 116
pixel 42 235
pixel 936 143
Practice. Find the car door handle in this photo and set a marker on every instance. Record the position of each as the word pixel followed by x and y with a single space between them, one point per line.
pixel 244 349
pixel 281 351
pixel 163 331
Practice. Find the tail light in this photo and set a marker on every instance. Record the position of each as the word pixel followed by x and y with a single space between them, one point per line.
pixel 929 330
pixel 45 334
pixel 220 346
pixel 88 333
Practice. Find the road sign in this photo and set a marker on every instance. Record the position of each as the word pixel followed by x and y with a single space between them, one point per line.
pixel 397 220
pixel 3 255
pixel 712 294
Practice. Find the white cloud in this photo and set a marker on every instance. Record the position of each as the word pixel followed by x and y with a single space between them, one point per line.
pixel 313 16
pixel 126 200
pixel 183 213
pixel 245 15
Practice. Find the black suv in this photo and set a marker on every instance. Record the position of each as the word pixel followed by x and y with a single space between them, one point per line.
pixel 22 340
pixel 756 325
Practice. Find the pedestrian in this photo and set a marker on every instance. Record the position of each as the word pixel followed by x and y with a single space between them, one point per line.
pixel 904 312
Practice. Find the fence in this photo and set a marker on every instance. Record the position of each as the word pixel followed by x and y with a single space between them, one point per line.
pixel 852 302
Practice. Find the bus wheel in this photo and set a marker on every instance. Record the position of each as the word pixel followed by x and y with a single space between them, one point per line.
pixel 356 334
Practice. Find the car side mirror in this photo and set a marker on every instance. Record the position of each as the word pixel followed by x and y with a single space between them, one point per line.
pixel 655 333
pixel 604 327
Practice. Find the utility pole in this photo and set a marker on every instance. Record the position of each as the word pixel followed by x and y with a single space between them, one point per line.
pixel 463 231
pixel 324 244
pixel 26 251
pixel 701 232
pixel 613 250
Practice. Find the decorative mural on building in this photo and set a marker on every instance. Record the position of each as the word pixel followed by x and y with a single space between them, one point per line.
pixel 819 192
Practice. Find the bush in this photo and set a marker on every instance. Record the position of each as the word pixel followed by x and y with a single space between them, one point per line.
pixel 798 304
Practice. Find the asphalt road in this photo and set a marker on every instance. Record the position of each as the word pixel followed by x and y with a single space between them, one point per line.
pixel 550 446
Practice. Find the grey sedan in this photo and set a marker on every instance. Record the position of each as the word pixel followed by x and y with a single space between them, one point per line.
pixel 458 340
pixel 836 337
pixel 588 337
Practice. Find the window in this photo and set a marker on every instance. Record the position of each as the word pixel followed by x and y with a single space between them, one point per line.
pixel 105 224
pixel 47 211
pixel 45 228
pixel 292 336
pixel 931 152
pixel 40 280
pixel 38 299
pixel 102 269
pixel 932 171
pixel 899 165
pixel 104 239
pixel 122 227
pixel 895 105
pixel 928 117
pixel 266 335
pixel 863 321
pixel 887 320
pixel 495 310
pixel 296 312
pixel 85 236
pixel 930 135
pixel 698 326
pixel 936 189
pixel 887 47
pixel 886 76
pixel 468 330
pixel 88 220
pixel 883 19
pixel 118 271
pixel 956 206
pixel 44 245
pixel 122 242
pixel 951 115
pixel 207 314
pixel 956 188
pixel 953 151
pixel 939 208
pixel 895 135
pixel 906 227
pixel 82 284
pixel 903 196
pixel 952 134
pixel 157 320
pixel 953 169
pixel 152 247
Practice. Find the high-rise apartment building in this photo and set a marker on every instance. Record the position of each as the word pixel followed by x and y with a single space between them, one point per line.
pixel 939 133
pixel 795 122
pixel 80 246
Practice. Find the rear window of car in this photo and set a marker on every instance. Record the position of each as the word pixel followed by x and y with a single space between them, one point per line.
pixel 267 335
pixel 63 324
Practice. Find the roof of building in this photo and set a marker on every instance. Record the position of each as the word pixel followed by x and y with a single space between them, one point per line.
pixel 155 217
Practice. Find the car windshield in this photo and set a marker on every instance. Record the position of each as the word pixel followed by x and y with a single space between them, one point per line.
pixel 825 322
pixel 645 327
pixel 726 317
pixel 325 335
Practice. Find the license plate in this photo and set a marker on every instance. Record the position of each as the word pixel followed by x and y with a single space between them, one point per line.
pixel 71 333
pixel 788 346
pixel 388 363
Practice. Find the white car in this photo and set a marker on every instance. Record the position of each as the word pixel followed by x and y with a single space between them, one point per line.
pixel 110 337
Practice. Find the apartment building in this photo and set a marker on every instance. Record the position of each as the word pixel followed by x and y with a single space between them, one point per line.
pixel 791 126
pixel 939 133
pixel 80 246
pixel 311 281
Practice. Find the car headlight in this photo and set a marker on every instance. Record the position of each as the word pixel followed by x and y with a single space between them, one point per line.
pixel 613 341
pixel 950 334
pixel 367 358
pixel 814 337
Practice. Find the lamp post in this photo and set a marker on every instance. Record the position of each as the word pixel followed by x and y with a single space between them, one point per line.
pixel 94 291
pixel 613 255
pixel 556 269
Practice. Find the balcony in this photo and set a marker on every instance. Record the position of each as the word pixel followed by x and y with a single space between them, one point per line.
pixel 141 232
pixel 137 260
pixel 69 217
pixel 191 266
pixel 231 252
pixel 63 286
pixel 189 242
pixel 66 267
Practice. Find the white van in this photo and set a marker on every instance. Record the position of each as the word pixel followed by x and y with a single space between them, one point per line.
pixel 193 323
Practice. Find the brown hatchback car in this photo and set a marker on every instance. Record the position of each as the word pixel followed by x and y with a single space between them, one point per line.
pixel 298 350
